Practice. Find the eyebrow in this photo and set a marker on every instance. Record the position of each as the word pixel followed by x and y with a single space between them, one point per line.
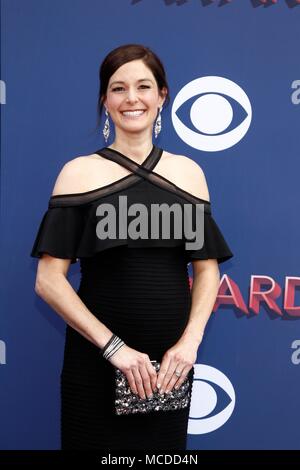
pixel 140 80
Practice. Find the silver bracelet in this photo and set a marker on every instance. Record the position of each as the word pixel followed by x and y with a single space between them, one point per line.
pixel 113 345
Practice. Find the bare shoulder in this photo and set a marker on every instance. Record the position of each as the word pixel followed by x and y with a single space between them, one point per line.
pixel 70 176
pixel 187 174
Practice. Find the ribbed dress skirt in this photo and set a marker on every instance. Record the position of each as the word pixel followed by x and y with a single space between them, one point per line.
pixel 143 296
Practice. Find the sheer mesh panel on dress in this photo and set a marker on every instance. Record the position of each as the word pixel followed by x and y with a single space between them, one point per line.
pixel 145 170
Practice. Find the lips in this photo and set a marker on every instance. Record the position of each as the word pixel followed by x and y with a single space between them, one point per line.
pixel 132 110
pixel 133 113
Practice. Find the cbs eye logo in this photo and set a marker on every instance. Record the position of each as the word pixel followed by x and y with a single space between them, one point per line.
pixel 211 113
pixel 204 400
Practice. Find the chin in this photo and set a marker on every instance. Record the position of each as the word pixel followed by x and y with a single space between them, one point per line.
pixel 135 128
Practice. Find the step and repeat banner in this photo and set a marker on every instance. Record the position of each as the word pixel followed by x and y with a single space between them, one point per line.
pixel 233 69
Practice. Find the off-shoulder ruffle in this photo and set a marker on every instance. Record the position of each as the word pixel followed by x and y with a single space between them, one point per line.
pixel 60 233
pixel 70 233
pixel 214 246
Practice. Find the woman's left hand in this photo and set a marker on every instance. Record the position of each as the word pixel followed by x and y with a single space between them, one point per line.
pixel 180 357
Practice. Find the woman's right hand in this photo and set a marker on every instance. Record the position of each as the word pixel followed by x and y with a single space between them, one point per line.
pixel 137 367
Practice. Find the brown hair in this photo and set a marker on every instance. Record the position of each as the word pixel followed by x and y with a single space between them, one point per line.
pixel 120 56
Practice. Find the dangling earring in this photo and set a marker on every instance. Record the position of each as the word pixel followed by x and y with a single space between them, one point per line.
pixel 106 128
pixel 157 127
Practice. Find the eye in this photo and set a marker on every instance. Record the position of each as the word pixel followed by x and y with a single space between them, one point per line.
pixel 121 88
pixel 210 410
pixel 211 113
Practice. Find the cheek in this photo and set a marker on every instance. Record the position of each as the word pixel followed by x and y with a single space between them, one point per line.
pixel 114 101
pixel 152 105
pixel 152 101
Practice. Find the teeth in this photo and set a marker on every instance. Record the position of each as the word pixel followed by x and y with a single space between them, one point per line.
pixel 132 113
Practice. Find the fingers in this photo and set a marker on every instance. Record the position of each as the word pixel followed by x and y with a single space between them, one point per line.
pixel 142 379
pixel 176 381
pixel 147 373
pixel 182 378
pixel 139 383
pixel 165 374
pixel 167 377
pixel 131 381
pixel 153 375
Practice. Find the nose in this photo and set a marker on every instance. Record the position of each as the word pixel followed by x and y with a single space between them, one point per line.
pixel 131 96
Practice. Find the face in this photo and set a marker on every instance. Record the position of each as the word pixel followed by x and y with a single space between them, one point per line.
pixel 133 88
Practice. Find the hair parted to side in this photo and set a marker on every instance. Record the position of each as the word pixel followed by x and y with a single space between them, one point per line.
pixel 120 56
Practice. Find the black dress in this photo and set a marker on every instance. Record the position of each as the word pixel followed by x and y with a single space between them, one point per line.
pixel 139 288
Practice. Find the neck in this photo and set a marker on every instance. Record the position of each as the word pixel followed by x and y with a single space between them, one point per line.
pixel 135 146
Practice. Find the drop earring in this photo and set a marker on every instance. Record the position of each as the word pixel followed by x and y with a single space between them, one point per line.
pixel 106 128
pixel 157 127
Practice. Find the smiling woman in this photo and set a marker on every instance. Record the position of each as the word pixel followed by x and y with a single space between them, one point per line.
pixel 134 304
pixel 142 98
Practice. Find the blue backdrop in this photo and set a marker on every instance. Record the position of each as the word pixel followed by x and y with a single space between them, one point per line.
pixel 246 390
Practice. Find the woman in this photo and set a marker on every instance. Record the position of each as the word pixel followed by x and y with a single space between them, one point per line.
pixel 134 303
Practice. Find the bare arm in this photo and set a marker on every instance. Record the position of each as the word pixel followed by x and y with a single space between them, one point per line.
pixel 54 288
pixel 183 354
pixel 206 281
pixel 206 275
pixel 51 279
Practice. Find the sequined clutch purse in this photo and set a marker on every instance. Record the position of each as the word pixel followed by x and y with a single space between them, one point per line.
pixel 126 402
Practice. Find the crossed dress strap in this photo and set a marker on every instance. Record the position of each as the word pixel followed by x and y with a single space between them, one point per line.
pixel 145 170
pixel 138 171
pixel 136 168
